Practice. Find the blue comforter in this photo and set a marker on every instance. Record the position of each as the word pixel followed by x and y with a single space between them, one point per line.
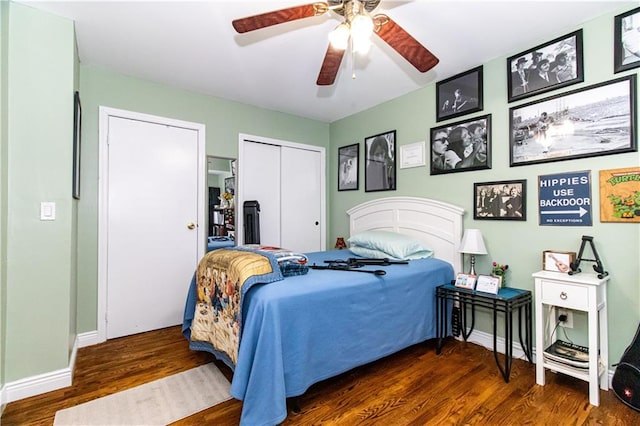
pixel 304 329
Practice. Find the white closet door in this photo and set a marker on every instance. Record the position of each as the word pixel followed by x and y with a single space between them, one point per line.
pixel 261 182
pixel 301 199
pixel 152 216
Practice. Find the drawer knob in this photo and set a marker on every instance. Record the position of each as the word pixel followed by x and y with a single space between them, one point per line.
pixel 563 296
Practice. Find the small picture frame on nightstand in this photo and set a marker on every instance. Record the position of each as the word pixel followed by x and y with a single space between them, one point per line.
pixel 558 261
pixel 467 281
pixel 488 284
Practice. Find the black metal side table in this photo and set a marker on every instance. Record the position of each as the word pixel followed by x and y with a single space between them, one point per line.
pixel 506 301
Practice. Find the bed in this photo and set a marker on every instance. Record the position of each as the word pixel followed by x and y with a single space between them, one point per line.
pixel 303 329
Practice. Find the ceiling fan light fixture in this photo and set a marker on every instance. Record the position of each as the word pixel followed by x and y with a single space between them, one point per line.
pixel 339 37
pixel 361 44
pixel 361 26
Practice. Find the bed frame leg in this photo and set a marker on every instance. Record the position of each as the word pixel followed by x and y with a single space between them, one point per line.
pixel 294 405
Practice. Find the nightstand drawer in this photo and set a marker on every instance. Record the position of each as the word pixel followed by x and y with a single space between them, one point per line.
pixel 565 295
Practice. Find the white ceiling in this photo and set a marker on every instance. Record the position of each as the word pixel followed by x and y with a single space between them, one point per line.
pixel 192 45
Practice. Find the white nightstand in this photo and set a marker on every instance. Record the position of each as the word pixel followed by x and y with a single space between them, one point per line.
pixel 581 292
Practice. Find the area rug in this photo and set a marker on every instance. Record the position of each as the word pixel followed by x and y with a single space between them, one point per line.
pixel 155 403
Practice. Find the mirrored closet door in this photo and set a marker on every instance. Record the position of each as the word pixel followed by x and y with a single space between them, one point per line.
pixel 221 183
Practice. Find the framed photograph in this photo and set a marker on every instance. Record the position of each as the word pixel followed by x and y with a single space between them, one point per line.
pixel 620 195
pixel 500 200
pixel 461 146
pixel 557 261
pixel 412 155
pixel 380 170
pixel 546 67
pixel 467 281
pixel 626 39
pixel 233 167
pixel 77 127
pixel 348 167
pixel 488 284
pixel 459 95
pixel 230 185
pixel 588 122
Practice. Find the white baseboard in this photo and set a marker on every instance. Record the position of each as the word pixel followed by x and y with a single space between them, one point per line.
pixel 486 340
pixel 41 383
pixel 89 338
pixel 3 404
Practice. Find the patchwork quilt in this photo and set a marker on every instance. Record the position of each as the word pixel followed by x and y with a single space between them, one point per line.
pixel 223 277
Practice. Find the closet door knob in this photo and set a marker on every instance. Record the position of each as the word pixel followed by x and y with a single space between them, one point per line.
pixel 191 225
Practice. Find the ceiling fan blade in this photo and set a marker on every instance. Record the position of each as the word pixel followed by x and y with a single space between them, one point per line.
pixel 276 17
pixel 404 43
pixel 330 66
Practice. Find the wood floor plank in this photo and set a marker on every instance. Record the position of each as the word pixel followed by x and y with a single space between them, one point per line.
pixel 413 387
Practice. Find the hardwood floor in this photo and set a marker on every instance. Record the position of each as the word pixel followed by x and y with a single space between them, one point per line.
pixel 413 387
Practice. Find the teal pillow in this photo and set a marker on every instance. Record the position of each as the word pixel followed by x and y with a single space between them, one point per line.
pixel 377 254
pixel 393 245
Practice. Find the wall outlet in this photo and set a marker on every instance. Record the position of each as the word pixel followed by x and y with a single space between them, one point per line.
pixel 569 322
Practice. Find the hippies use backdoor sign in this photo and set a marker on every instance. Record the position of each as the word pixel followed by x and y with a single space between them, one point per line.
pixel 565 199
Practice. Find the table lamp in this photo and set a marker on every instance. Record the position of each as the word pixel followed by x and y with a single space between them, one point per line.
pixel 472 243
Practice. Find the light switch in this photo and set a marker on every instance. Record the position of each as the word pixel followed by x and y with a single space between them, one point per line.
pixel 47 210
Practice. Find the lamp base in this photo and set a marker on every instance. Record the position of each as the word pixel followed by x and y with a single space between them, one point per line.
pixel 472 271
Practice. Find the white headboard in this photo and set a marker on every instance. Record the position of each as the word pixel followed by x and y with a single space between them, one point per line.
pixel 435 223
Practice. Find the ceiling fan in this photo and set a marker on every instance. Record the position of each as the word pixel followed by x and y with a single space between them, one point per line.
pixel 355 28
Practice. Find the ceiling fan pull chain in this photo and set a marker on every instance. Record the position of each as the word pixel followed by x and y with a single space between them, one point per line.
pixel 353 59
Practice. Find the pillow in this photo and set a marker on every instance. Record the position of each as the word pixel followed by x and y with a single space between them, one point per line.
pixel 394 245
pixel 377 254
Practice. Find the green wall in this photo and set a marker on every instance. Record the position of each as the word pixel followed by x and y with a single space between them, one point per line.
pixel 519 244
pixel 39 310
pixel 223 119
pixel 4 32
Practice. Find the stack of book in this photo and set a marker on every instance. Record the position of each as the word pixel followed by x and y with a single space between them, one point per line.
pixel 568 353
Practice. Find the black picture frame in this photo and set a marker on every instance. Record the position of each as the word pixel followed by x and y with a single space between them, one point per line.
pixel 380 162
pixel 230 185
pixel 77 136
pixel 626 25
pixel 453 155
pixel 500 200
pixel 588 122
pixel 566 49
pixel 348 167
pixel 459 95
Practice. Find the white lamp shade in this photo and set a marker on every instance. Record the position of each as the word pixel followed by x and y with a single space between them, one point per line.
pixel 472 242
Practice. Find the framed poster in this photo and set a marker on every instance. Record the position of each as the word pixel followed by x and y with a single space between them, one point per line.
pixel 348 167
pixel 588 122
pixel 412 155
pixel 626 36
pixel 380 171
pixel 459 95
pixel 461 146
pixel 564 199
pixel 77 133
pixel 500 200
pixel 548 66
pixel 620 195
pixel 230 185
